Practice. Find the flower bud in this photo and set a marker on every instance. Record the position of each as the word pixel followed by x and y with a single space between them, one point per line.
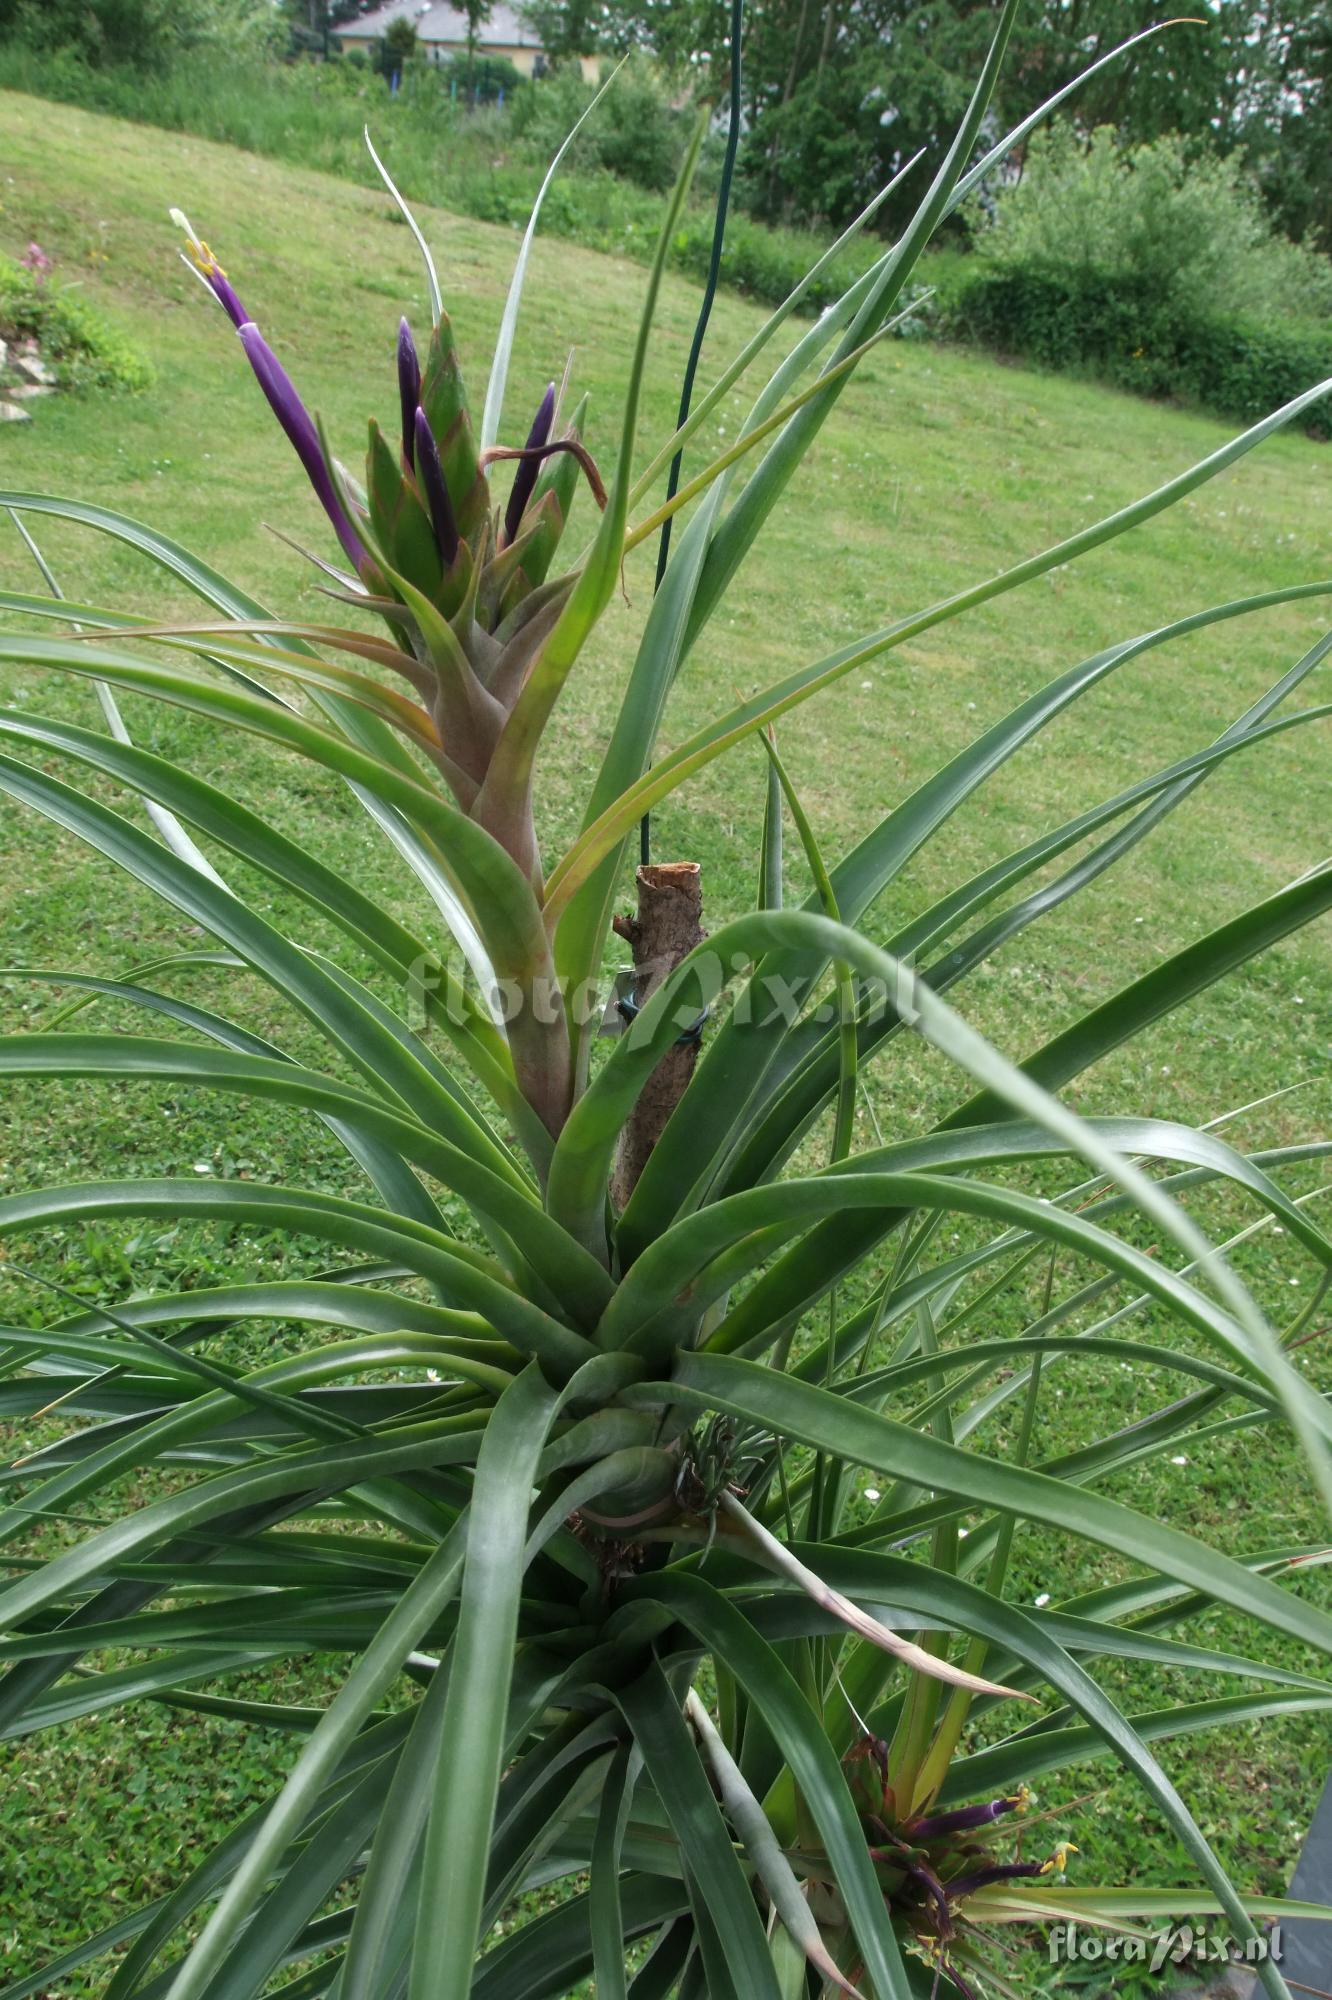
pixel 431 475
pixel 526 476
pixel 409 388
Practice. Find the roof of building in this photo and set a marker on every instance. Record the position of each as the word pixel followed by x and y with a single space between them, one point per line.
pixel 435 23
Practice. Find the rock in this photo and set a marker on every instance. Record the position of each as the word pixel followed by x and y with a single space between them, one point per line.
pixel 24 391
pixel 10 413
pixel 30 364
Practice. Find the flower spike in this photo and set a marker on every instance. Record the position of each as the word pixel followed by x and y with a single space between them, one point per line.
pixel 298 424
pixel 1012 1871
pixel 526 476
pixel 201 259
pixel 409 388
pixel 431 475
pixel 277 386
pixel 967 1819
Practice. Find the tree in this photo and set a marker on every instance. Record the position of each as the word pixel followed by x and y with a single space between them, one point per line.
pixel 145 34
pixel 1284 118
pixel 839 93
pixel 478 13
pixel 399 45
pixel 566 28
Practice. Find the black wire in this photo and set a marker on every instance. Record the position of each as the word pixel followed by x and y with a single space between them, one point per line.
pixel 700 330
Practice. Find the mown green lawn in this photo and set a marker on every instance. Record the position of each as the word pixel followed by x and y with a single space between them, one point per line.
pixel 939 467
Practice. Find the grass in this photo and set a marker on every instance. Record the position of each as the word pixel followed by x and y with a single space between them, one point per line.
pixel 938 467
pixel 473 162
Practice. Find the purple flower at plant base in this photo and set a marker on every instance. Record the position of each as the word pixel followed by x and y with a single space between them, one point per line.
pixel 525 478
pixel 298 424
pixel 965 1819
pixel 409 388
pixel 431 475
pixel 1011 1871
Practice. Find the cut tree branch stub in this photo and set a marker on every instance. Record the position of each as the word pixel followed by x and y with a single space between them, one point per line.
pixel 667 927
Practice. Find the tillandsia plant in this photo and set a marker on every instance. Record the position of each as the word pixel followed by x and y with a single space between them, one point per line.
pixel 564 1479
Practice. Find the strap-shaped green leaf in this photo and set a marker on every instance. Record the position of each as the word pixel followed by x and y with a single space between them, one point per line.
pixel 175 1427
pixel 739 1056
pixel 802 1077
pixel 829 1422
pixel 930 1594
pixel 777 1698
pixel 576 1281
pixel 1167 986
pixel 472 1734
pixel 672 1764
pixel 499 367
pixel 467 1277
pixel 1054 1749
pixel 544 1958
pixel 419 1605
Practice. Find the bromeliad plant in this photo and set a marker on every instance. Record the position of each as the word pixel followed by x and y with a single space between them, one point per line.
pixel 570 1485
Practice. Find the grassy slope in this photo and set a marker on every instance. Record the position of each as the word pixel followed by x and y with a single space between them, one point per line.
pixel 938 467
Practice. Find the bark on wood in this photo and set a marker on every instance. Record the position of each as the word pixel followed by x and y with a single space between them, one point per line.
pixel 667 926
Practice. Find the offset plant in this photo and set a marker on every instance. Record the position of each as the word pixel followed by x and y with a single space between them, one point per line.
pixel 593 1533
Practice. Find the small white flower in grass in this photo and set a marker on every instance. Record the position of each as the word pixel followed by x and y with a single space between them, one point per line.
pixel 872 1493
pixel 1179 1459
pixel 1299 999
pixel 203 1167
pixel 867 684
pixel 1041 1601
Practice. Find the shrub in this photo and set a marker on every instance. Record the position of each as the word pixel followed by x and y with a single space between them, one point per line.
pixel 145 34
pixel 1189 225
pixel 635 132
pixel 1123 330
pixel 483 79
pixel 487 165
pixel 1150 270
pixel 85 350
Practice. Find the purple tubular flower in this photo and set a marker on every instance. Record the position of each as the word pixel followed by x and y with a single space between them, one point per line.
pixel 197 253
pixel 225 294
pixel 525 478
pixel 296 421
pixel 431 475
pixel 409 387
pixel 963 1820
pixel 1002 1871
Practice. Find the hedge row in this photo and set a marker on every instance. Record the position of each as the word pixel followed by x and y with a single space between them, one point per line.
pixel 1120 330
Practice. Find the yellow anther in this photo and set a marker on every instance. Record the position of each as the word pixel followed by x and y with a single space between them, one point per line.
pixel 199 253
